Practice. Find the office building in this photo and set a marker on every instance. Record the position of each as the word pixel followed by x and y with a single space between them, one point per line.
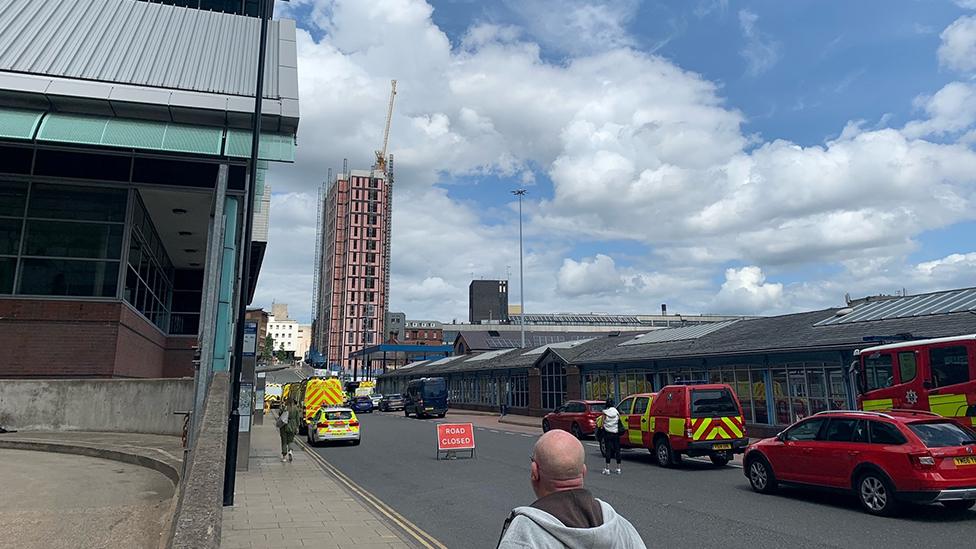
pixel 488 301
pixel 124 158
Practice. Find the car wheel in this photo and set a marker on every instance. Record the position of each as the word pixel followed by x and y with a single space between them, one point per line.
pixel 545 426
pixel 761 476
pixel 959 505
pixel 663 453
pixel 876 494
pixel 719 460
pixel 442 415
pixel 577 432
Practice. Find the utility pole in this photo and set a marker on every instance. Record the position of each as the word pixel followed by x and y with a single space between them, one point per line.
pixel 230 465
pixel 520 193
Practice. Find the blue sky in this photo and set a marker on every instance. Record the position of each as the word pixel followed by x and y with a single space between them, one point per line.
pixel 754 156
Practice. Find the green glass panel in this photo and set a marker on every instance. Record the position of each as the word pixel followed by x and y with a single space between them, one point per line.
pixel 193 139
pixel 275 147
pixel 19 123
pixel 134 134
pixel 9 236
pixel 70 128
pixel 73 202
pixel 70 239
pixel 13 196
pixel 8 266
pixel 66 277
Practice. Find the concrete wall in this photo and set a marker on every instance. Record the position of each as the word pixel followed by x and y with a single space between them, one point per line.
pixel 113 405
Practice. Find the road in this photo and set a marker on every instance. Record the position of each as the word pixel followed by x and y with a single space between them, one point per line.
pixel 463 503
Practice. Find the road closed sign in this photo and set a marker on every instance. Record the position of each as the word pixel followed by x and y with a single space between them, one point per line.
pixel 455 436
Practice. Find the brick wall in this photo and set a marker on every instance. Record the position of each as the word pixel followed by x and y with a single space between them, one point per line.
pixel 49 338
pixel 178 360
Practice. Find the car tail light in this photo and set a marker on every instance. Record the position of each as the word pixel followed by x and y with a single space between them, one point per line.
pixel 354 424
pixel 324 425
pixel 688 431
pixel 922 460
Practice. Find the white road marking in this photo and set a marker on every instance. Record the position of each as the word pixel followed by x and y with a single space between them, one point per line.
pixel 493 431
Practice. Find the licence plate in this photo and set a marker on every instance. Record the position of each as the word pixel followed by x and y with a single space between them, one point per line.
pixel 965 460
pixel 428 409
pixel 721 446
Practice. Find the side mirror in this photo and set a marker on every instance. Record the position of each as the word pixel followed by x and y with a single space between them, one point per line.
pixel 781 436
pixel 927 384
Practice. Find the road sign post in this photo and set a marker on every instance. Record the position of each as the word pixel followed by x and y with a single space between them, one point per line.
pixel 454 437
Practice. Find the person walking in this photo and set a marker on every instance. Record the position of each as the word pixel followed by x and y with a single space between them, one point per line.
pixel 565 514
pixel 612 429
pixel 287 423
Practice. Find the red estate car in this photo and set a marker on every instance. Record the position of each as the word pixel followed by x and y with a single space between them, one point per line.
pixel 885 458
pixel 576 416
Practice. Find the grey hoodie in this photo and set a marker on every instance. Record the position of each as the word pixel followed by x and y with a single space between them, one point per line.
pixel 534 528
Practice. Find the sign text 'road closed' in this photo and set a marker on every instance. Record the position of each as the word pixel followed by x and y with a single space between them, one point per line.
pixel 455 436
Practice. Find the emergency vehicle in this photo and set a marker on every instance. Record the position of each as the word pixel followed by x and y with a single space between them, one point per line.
pixel 272 394
pixel 684 420
pixel 315 393
pixel 935 375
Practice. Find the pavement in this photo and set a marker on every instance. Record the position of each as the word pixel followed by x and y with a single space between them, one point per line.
pixel 48 503
pixel 305 504
pixel 164 453
pixel 463 502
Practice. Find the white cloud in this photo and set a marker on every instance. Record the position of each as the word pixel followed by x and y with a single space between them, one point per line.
pixel 588 277
pixel 577 27
pixel 952 109
pixel 958 49
pixel 760 51
pixel 745 291
pixel 968 4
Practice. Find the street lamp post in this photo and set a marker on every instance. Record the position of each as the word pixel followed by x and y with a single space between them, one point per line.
pixel 520 193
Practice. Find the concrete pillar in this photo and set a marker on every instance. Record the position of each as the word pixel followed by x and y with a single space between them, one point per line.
pixel 534 386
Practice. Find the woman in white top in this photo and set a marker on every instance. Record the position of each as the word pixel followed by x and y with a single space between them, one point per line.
pixel 610 422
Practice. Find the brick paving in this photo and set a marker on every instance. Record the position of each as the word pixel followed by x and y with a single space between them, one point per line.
pixel 283 505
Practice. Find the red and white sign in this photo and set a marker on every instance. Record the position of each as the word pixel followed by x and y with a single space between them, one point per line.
pixel 455 436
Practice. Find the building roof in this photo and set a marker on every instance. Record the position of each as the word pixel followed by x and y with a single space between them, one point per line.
pixel 122 57
pixel 477 340
pixel 935 303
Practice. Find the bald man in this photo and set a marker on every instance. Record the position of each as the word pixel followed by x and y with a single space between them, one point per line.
pixel 565 514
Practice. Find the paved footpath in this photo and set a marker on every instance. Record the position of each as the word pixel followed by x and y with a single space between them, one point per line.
pixel 298 504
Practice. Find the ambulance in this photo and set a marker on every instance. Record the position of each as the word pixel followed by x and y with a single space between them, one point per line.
pixel 315 393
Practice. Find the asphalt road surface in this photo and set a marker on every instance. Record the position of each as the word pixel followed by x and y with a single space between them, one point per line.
pixel 463 502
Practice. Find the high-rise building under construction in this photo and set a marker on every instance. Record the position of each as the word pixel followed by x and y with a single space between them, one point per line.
pixel 353 265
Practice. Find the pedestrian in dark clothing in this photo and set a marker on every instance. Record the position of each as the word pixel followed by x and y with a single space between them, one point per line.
pixel 566 514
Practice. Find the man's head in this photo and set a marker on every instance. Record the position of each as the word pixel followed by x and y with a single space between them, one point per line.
pixel 558 463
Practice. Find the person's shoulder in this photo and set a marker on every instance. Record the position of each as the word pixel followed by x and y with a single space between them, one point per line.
pixel 516 535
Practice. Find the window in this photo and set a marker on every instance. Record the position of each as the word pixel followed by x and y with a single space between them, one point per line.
pixel 950 365
pixel 626 406
pixel 553 384
pixel 885 433
pixel 807 430
pixel 878 370
pixel 575 408
pixel 713 403
pixel 840 430
pixel 518 396
pixel 640 405
pixel 942 434
pixel 906 367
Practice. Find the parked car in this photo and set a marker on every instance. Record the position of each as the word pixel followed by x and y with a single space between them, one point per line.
pixel 694 420
pixel 425 397
pixel 334 424
pixel 362 404
pixel 576 416
pixel 884 458
pixel 376 398
pixel 391 403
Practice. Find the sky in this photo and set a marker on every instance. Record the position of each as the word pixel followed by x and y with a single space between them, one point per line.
pixel 720 156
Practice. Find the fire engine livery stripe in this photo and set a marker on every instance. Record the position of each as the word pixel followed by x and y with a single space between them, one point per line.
pixel 948 405
pixel 700 426
pixel 734 426
pixel 877 405
pixel 676 426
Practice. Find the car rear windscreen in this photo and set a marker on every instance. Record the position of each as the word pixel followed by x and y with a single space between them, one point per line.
pixel 713 403
pixel 435 389
pixel 597 407
pixel 942 434
pixel 336 416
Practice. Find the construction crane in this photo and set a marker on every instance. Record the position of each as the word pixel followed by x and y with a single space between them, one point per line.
pixel 381 154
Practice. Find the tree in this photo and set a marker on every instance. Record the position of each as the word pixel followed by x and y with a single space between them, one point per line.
pixel 267 350
pixel 282 355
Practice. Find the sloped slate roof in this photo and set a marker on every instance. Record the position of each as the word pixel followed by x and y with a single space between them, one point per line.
pixel 145 44
pixel 479 340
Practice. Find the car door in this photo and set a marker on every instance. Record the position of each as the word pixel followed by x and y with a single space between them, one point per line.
pixel 558 419
pixel 625 408
pixel 791 458
pixel 637 421
pixel 836 452
pixel 574 414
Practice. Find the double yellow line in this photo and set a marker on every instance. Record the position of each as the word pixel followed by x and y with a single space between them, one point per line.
pixel 423 538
